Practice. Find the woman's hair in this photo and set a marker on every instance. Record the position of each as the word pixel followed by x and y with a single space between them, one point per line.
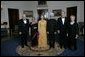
pixel 43 16
pixel 73 16
pixel 40 17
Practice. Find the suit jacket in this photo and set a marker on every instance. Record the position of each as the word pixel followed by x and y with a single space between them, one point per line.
pixel 62 27
pixel 51 26
pixel 24 28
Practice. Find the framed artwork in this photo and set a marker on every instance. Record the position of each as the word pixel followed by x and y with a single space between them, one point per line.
pixel 57 12
pixel 28 13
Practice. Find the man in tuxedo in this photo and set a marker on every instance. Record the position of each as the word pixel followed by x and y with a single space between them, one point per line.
pixel 23 30
pixel 51 30
pixel 62 23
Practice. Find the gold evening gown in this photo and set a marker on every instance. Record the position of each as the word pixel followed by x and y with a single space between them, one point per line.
pixel 42 40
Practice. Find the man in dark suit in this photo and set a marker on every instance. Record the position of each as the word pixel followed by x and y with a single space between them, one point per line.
pixel 51 30
pixel 62 23
pixel 23 30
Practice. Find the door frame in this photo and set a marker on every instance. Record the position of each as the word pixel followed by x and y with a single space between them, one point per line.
pixel 10 11
pixel 69 12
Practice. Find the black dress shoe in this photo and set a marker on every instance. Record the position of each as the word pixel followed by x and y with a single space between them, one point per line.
pixel 53 47
pixel 26 45
pixel 22 46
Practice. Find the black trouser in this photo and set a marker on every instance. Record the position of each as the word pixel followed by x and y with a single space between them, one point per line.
pixel 23 39
pixel 52 40
pixel 72 43
pixel 63 40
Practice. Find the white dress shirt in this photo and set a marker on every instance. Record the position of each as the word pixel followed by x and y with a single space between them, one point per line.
pixel 25 21
pixel 63 20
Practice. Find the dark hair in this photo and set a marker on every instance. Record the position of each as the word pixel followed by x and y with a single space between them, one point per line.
pixel 74 16
pixel 40 17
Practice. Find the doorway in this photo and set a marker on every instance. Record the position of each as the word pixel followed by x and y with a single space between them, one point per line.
pixel 13 15
pixel 72 11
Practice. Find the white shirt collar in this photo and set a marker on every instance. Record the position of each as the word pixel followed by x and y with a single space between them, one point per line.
pixel 25 21
pixel 72 23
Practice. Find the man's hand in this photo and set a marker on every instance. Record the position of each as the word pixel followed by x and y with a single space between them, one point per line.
pixel 54 32
pixel 67 34
pixel 20 33
pixel 76 36
pixel 58 31
pixel 47 32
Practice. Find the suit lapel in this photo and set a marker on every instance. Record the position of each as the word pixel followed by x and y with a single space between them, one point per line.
pixel 64 21
pixel 61 21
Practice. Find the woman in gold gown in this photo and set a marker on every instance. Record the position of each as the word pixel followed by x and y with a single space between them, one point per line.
pixel 42 40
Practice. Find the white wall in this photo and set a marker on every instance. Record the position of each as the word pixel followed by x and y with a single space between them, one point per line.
pixel 21 5
pixel 64 4
pixel 32 5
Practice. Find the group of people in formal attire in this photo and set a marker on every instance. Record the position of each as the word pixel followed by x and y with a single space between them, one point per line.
pixel 43 32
